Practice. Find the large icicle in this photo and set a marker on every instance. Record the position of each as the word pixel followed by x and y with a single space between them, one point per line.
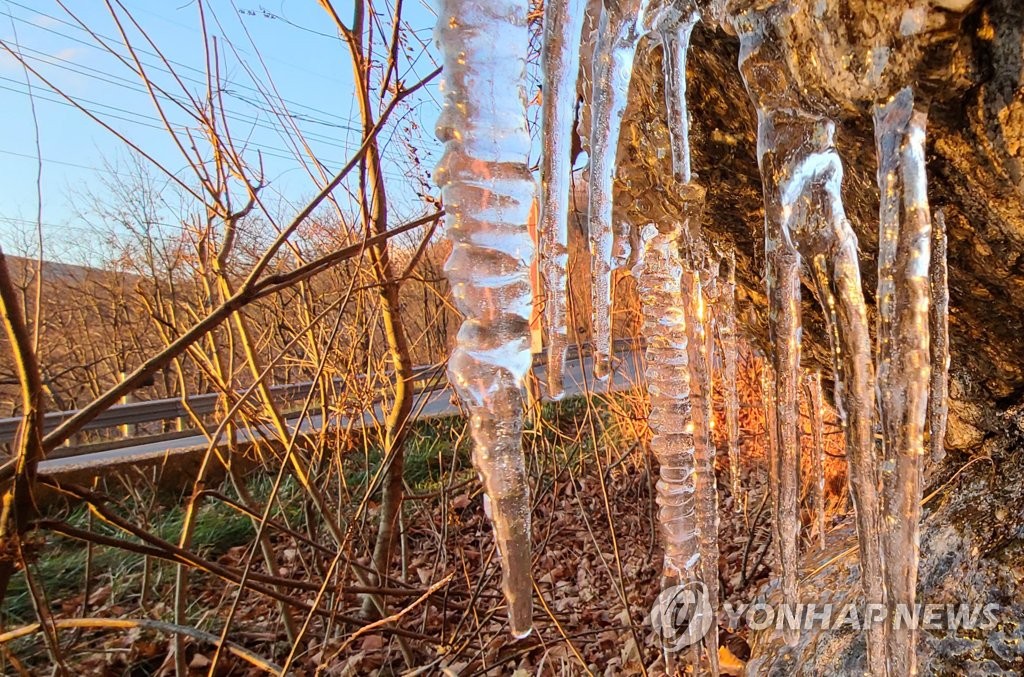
pixel 783 277
pixel 617 36
pixel 563 25
pixel 668 381
pixel 904 244
pixel 938 394
pixel 814 408
pixel 782 216
pixel 727 337
pixel 702 412
pixel 488 191
pixel 801 169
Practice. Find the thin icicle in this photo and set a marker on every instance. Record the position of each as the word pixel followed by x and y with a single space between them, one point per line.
pixel 771 448
pixel 697 325
pixel 617 36
pixel 814 406
pixel 938 395
pixel 904 244
pixel 784 326
pixel 801 169
pixel 709 272
pixel 488 191
pixel 563 25
pixel 673 21
pixel 727 337
pixel 668 382
pixel 825 294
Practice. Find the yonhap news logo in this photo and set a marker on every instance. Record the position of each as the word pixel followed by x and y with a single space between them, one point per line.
pixel 682 615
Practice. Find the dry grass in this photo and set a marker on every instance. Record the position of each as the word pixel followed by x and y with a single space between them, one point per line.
pixel 596 557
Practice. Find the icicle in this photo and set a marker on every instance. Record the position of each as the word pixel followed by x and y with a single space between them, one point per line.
pixel 801 170
pixel 938 395
pixel 771 449
pixel 702 412
pixel 784 325
pixel 563 25
pixel 709 271
pixel 904 244
pixel 617 37
pixel 825 294
pixel 727 337
pixel 488 191
pixel 673 21
pixel 668 382
pixel 814 406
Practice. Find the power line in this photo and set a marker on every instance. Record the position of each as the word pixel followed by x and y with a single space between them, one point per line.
pixel 133 87
pixel 157 124
pixel 137 49
pixel 427 143
pixel 233 89
pixel 346 124
pixel 63 162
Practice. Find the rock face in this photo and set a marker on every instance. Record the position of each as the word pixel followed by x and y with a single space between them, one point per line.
pixel 972 553
pixel 972 69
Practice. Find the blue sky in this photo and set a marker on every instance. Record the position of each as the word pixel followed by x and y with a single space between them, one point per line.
pixel 308 64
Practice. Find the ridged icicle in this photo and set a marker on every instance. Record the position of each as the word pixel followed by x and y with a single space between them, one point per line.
pixel 658 271
pixel 488 192
pixel 697 326
pixel 938 395
pixel 802 176
pixel 814 408
pixel 560 59
pixel 617 36
pixel 904 245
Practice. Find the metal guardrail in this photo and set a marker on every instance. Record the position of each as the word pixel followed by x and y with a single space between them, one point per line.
pixel 173 408
pixel 168 409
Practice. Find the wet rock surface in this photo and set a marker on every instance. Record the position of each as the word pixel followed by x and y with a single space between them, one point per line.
pixel 972 69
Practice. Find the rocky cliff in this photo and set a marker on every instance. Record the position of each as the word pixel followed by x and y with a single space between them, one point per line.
pixel 971 68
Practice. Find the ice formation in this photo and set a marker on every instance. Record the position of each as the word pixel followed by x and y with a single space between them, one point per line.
pixel 488 191
pixel 904 245
pixel 787 180
pixel 668 381
pixel 619 31
pixel 802 176
pixel 938 395
pixel 658 272
pixel 771 447
pixel 563 25
pixel 709 268
pixel 825 295
pixel 814 406
pixel 702 415
pixel 672 21
pixel 727 336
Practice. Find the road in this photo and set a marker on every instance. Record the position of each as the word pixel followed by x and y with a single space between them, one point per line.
pixel 579 379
